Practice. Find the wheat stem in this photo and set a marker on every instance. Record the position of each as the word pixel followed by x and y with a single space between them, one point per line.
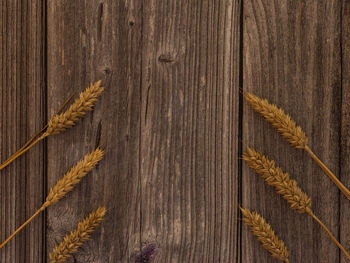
pixel 43 129
pixel 27 145
pixel 15 156
pixel 29 141
pixel 20 228
pixel 328 172
pixel 328 232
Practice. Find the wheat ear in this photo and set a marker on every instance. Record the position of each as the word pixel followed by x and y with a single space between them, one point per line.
pixel 265 235
pixel 62 121
pixel 285 186
pixel 292 132
pixel 275 177
pixel 76 238
pixel 77 110
pixel 65 185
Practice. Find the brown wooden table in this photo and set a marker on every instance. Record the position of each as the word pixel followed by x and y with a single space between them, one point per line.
pixel 174 124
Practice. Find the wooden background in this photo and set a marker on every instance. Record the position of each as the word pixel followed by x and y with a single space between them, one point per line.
pixel 174 124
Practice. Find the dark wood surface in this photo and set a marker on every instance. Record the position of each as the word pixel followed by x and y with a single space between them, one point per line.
pixel 292 56
pixel 174 124
pixel 23 112
pixel 344 162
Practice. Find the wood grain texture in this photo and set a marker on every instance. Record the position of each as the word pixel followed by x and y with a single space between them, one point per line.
pixel 345 125
pixel 173 123
pixel 22 99
pixel 291 57
pixel 185 127
pixel 88 41
pixel 189 131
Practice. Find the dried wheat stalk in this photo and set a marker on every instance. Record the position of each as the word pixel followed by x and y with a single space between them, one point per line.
pixel 286 187
pixel 76 238
pixel 65 185
pixel 289 130
pixel 264 233
pixel 62 121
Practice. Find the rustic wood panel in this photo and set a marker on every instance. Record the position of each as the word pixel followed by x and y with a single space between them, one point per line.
pixel 170 96
pixel 345 125
pixel 291 56
pixel 173 124
pixel 22 113
pixel 189 131
pixel 87 41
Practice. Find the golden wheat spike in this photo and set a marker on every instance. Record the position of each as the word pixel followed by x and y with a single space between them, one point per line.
pixel 286 187
pixel 265 235
pixel 82 105
pixel 76 238
pixel 289 130
pixel 73 177
pixel 65 185
pixel 280 120
pixel 62 121
pixel 275 177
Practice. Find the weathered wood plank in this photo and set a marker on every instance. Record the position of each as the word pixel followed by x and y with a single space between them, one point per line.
pixel 189 124
pixel 345 125
pixel 22 113
pixel 292 57
pixel 87 41
pixel 169 121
